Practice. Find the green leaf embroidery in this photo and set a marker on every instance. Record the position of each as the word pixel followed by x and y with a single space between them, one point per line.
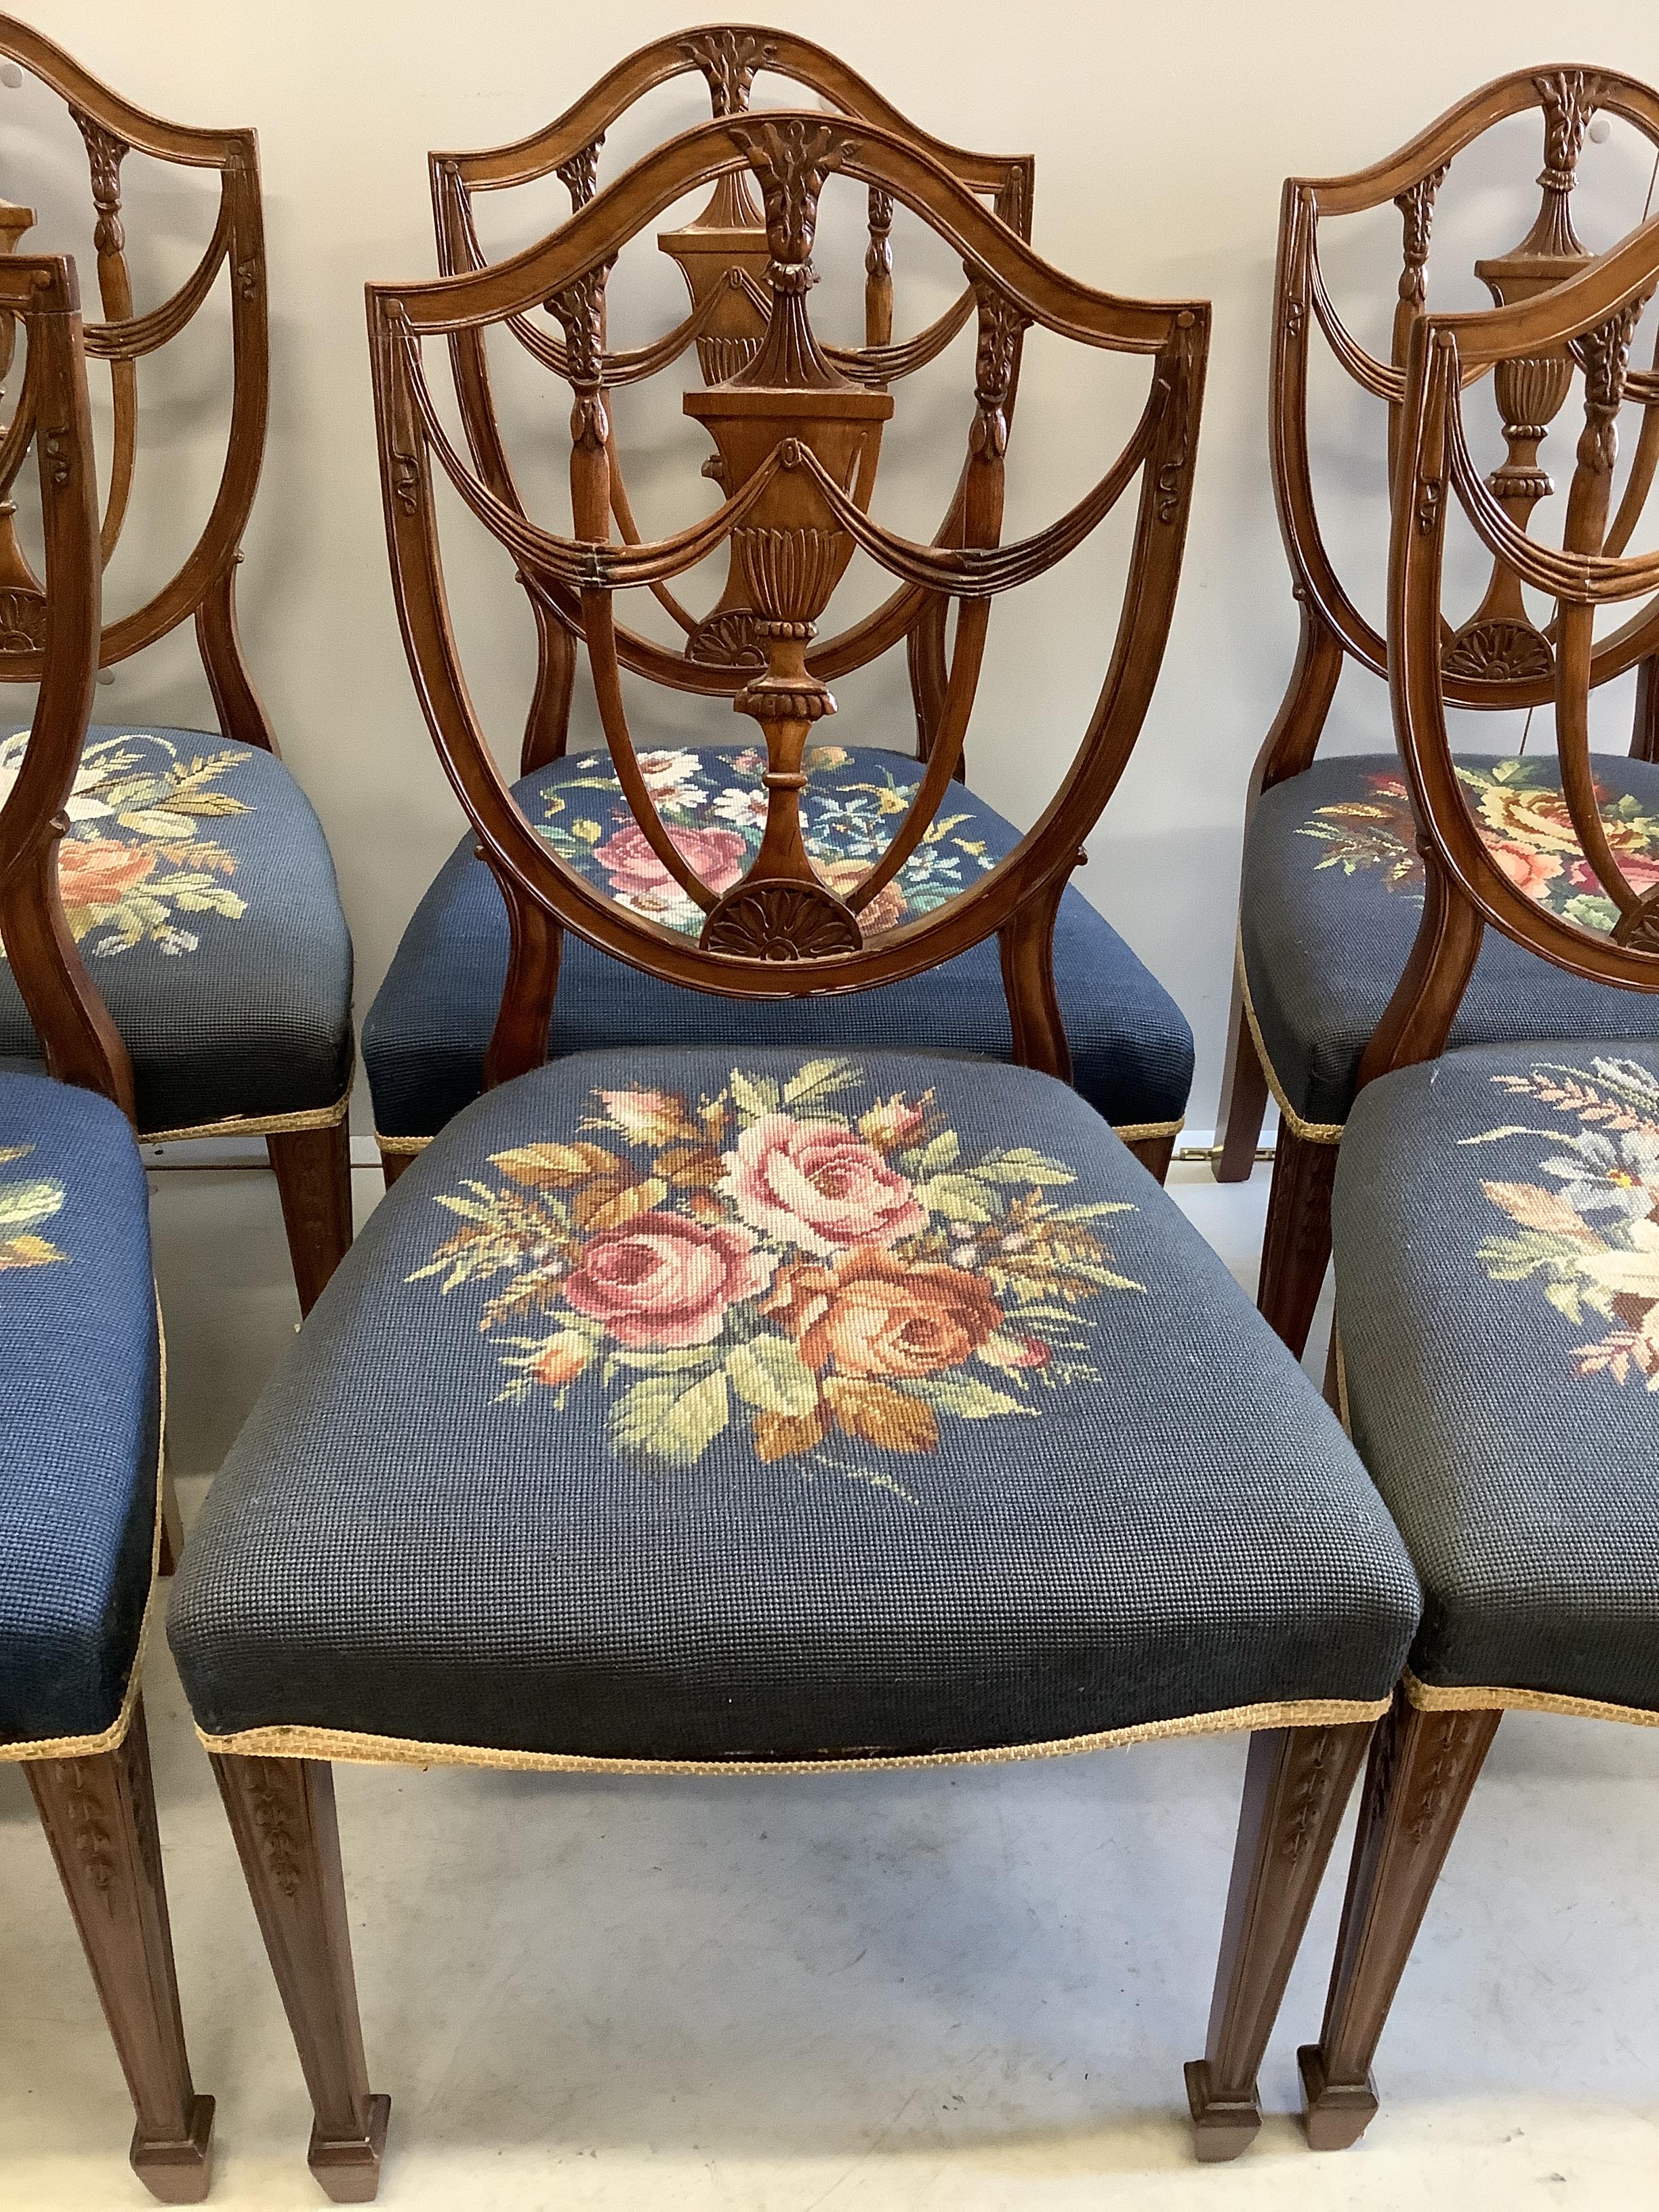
pixel 770 1374
pixel 662 1417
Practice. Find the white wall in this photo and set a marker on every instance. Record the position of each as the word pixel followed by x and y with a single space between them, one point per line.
pixel 1161 137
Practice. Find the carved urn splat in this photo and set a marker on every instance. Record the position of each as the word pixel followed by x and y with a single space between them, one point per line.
pixel 1500 639
pixel 790 548
pixel 727 244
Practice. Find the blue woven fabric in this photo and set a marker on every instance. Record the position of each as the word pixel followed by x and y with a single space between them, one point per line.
pixel 199 882
pixel 1497 1238
pixel 1333 895
pixel 80 1435
pixel 425 1035
pixel 706 1405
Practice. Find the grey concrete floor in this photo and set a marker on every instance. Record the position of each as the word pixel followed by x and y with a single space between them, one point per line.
pixel 971 1989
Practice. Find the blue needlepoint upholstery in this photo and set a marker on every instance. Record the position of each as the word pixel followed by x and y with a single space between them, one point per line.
pixel 719 1405
pixel 198 883
pixel 80 1436
pixel 425 1035
pixel 1332 893
pixel 1496 1235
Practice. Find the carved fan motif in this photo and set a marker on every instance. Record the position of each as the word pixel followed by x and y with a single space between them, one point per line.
pixel 780 921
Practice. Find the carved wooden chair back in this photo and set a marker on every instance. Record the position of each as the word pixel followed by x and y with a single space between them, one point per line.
pixel 1497 658
pixel 724 257
pixel 798 439
pixel 204 586
pixel 39 302
pixel 1611 935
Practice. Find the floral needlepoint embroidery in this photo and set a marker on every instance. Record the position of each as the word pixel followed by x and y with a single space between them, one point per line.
pixel 25 1201
pixel 1590 1236
pixel 830 1279
pixel 133 860
pixel 713 806
pixel 1523 819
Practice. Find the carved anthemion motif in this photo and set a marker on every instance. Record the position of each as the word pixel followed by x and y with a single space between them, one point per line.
pixel 580 175
pixel 104 154
pixel 728 59
pixel 782 921
pixel 1416 206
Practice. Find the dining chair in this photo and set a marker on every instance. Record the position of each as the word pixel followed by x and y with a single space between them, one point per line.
pixel 195 876
pixel 738 1408
pixel 1331 881
pixel 427 1034
pixel 81 1475
pixel 1497 1207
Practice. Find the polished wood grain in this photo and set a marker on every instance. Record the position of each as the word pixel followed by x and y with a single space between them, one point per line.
pixel 1297 1783
pixel 99 1815
pixel 282 1814
pixel 314 1175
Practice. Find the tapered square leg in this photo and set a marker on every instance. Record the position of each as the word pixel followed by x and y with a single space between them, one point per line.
pixel 314 1175
pixel 1296 1785
pixel 100 1819
pixel 1296 1247
pixel 282 1814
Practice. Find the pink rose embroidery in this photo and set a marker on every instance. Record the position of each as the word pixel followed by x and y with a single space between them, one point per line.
pixel 635 871
pixel 1529 871
pixel 665 1281
pixel 817 1185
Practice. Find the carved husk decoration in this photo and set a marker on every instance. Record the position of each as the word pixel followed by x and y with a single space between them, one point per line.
pixel 798 440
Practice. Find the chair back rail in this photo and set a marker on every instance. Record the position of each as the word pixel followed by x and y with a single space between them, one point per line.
pixel 41 300
pixel 203 587
pixel 797 442
pixel 1593 316
pixel 723 255
pixel 1495 658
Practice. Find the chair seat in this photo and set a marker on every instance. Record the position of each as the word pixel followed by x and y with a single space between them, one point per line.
pixel 1497 1239
pixel 81 1432
pixel 198 884
pixel 425 1035
pixel 1332 892
pixel 682 1406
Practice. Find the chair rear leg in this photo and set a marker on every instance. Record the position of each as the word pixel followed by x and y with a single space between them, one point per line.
pixel 1422 1768
pixel 1296 1249
pixel 1296 1785
pixel 394 1164
pixel 173 1525
pixel 1243 1097
pixel 100 1819
pixel 281 1814
pixel 1154 1153
pixel 313 1174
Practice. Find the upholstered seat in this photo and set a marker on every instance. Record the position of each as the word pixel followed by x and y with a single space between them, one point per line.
pixel 198 883
pixel 1332 893
pixel 425 1035
pixel 1497 1239
pixel 711 1407
pixel 81 1429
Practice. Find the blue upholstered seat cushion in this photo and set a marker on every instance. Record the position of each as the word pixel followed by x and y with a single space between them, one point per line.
pixel 1332 893
pixel 198 883
pixel 1497 1232
pixel 703 1405
pixel 425 1035
pixel 80 1429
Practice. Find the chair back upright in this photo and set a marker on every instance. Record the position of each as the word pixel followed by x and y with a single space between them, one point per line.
pixel 1610 933
pixel 1496 657
pixel 204 586
pixel 51 417
pixel 798 441
pixel 724 257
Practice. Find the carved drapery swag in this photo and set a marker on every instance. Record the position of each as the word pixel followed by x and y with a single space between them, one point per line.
pixel 724 257
pixel 1610 932
pixel 202 588
pixel 1497 657
pixel 798 441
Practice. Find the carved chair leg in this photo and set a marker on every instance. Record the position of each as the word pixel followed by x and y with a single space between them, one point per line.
pixel 282 1814
pixel 314 1175
pixel 1296 1249
pixel 394 1164
pixel 1422 1768
pixel 172 1525
pixel 1154 1154
pixel 1243 1097
pixel 1644 737
pixel 100 1819
pixel 1296 1785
